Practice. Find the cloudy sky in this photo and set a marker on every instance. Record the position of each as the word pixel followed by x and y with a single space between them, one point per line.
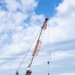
pixel 20 23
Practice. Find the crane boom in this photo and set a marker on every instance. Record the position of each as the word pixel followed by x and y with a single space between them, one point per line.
pixel 37 46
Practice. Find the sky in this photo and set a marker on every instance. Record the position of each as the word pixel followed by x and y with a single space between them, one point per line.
pixel 20 25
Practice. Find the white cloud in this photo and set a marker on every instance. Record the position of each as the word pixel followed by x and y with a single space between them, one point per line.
pixel 60 55
pixel 61 27
pixel 23 5
pixel 66 7
pixel 28 5
pixel 70 73
pixel 14 30
pixel 12 5
pixel 62 24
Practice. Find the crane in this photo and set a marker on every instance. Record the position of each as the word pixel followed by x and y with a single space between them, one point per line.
pixel 36 49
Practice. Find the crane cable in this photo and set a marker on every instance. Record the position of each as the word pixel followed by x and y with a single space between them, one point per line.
pixel 26 54
pixel 49 51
